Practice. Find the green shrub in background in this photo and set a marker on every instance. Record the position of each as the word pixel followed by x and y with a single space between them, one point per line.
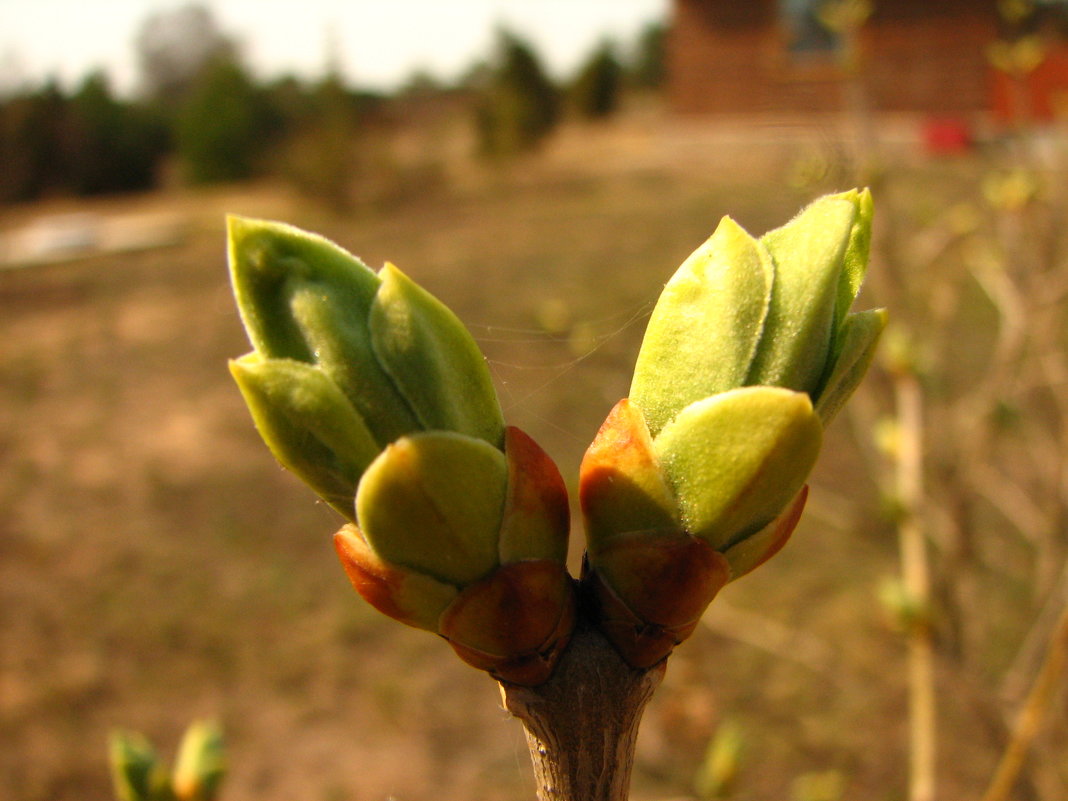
pixel 519 104
pixel 88 142
pixel 596 91
pixel 111 146
pixel 220 129
pixel 647 69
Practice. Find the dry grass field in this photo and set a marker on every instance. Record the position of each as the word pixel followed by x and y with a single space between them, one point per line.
pixel 157 566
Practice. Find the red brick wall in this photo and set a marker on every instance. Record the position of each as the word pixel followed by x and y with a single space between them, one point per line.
pixel 919 55
pixel 1042 95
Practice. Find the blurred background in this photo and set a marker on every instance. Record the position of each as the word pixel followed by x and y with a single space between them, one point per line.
pixel 543 168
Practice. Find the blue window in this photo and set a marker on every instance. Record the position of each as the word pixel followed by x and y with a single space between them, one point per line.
pixel 806 34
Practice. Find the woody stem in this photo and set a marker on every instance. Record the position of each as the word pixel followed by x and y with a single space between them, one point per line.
pixel 582 724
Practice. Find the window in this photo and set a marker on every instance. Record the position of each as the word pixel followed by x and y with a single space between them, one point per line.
pixel 806 34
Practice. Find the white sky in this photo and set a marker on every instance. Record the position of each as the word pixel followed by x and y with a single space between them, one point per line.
pixel 379 42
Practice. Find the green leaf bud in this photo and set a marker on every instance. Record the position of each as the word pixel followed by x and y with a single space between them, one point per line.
pixel 809 254
pixel 309 425
pixel 736 459
pixel 433 361
pixel 201 763
pixel 749 353
pixel 401 358
pixel 375 394
pixel 457 538
pixel 432 503
pixel 302 297
pixel 707 326
pixel 853 353
pixel 136 770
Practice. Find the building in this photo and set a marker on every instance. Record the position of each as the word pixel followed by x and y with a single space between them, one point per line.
pixel 921 56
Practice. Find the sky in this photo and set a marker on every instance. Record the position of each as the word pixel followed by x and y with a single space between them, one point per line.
pixel 378 43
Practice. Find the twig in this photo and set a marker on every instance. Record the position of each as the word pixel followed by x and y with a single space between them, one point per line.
pixel 915 574
pixel 1032 714
pixel 582 724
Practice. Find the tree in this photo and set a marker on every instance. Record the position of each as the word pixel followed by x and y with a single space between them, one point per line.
pixel 174 47
pixel 31 144
pixel 111 146
pixel 595 93
pixel 319 156
pixel 648 68
pixel 519 105
pixel 221 129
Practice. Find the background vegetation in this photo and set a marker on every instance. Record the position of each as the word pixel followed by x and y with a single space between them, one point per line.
pixel 200 117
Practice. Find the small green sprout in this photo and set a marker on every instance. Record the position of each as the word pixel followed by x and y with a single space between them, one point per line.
pixel 140 775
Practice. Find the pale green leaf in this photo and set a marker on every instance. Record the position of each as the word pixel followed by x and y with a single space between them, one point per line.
pixel 136 771
pixel 433 503
pixel 705 329
pixel 855 348
pixel 303 297
pixel 309 425
pixel 433 360
pixel 855 259
pixel 808 255
pixel 736 459
pixel 201 763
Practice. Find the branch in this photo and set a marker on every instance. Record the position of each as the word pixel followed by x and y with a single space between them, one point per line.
pixel 582 724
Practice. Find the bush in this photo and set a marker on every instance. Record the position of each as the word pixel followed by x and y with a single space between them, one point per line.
pixel 648 69
pixel 519 104
pixel 113 147
pixel 85 144
pixel 595 93
pixel 224 126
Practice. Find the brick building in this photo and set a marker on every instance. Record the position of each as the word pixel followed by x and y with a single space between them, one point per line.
pixel 925 56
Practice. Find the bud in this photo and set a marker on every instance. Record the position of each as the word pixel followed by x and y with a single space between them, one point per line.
pixel 201 764
pixel 699 476
pixel 346 360
pixel 374 393
pixel 136 770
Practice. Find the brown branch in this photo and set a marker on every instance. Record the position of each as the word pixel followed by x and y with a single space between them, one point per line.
pixel 1032 714
pixel 582 724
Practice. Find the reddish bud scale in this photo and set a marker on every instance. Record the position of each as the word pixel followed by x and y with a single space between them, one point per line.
pixel 646 579
pixel 664 584
pixel 514 624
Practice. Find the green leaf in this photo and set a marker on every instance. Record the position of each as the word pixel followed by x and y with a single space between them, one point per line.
pixel 270 261
pixel 704 331
pixel 340 336
pixel 433 360
pixel 855 259
pixel 736 459
pixel 433 503
pixel 808 253
pixel 854 350
pixel 201 763
pixel 302 297
pixel 309 425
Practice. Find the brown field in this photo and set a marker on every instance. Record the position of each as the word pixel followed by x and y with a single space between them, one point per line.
pixel 157 566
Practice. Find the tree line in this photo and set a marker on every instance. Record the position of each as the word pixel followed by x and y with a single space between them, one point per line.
pixel 200 116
